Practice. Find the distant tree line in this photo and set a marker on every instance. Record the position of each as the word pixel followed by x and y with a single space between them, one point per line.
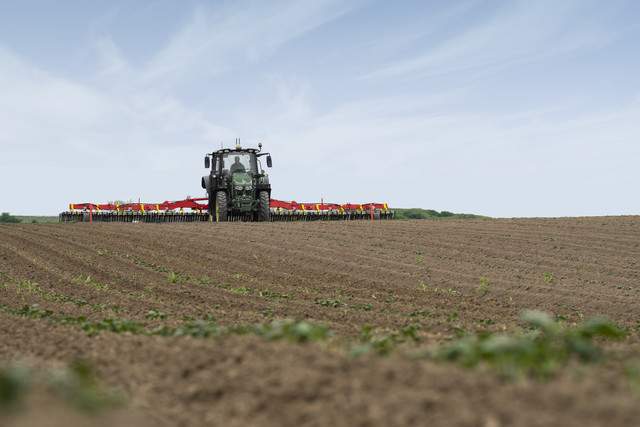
pixel 417 213
pixel 6 217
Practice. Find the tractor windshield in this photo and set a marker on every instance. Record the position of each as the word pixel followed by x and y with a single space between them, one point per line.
pixel 238 162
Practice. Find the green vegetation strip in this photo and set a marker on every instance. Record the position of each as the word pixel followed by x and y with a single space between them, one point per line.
pixel 541 352
pixel 29 287
pixel 6 217
pixel 292 330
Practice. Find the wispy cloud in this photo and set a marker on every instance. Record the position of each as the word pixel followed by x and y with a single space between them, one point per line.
pixel 238 34
pixel 517 32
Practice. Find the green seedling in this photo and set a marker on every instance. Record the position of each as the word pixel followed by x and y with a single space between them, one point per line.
pixel 367 307
pixel 331 303
pixel 450 317
pixel 269 294
pixel 423 313
pixel 155 314
pixel 484 287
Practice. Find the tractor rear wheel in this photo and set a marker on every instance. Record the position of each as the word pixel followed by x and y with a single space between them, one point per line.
pixel 221 206
pixel 265 213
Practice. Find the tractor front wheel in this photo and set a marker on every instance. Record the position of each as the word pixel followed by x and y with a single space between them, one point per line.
pixel 265 201
pixel 221 206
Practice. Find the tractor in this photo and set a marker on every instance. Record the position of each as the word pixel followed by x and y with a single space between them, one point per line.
pixel 237 186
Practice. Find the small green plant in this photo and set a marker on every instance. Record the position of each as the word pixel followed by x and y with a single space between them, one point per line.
pixel 484 287
pixel 155 314
pixel 268 312
pixel 28 285
pixel 318 289
pixel 548 277
pixel 174 277
pixel 291 330
pixel 483 321
pixel 331 303
pixel 240 290
pixel 269 294
pixel 99 287
pixel 423 313
pixel 367 307
pixel 541 352
pixel 450 317
pixel 384 345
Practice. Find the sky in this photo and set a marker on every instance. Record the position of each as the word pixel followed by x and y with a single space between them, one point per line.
pixel 503 108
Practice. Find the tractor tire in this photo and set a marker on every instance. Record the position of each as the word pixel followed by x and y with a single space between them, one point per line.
pixel 265 201
pixel 212 205
pixel 221 206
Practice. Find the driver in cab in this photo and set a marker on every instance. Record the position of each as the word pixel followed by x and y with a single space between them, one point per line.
pixel 237 166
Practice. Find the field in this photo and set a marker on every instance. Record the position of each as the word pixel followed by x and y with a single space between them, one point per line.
pixel 326 323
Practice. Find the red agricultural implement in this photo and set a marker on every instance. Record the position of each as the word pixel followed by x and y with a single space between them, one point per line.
pixel 194 210
pixel 237 189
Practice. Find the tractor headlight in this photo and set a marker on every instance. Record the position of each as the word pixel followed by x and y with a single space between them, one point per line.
pixel 248 188
pixel 239 187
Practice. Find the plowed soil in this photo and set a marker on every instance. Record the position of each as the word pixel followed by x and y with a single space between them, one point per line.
pixel 345 275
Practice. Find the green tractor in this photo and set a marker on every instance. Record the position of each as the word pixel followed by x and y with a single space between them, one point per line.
pixel 237 186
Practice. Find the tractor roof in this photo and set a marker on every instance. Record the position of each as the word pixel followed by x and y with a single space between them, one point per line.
pixel 236 150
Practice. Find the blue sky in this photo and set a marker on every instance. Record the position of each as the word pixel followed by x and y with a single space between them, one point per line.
pixel 500 108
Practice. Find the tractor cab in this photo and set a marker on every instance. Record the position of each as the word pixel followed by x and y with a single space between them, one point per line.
pixel 226 162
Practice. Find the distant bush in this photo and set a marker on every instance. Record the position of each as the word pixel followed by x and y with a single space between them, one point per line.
pixel 416 213
pixel 5 217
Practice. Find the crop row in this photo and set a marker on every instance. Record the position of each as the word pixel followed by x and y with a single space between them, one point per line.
pixel 541 352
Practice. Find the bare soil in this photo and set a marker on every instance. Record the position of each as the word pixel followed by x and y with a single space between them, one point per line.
pixel 384 274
